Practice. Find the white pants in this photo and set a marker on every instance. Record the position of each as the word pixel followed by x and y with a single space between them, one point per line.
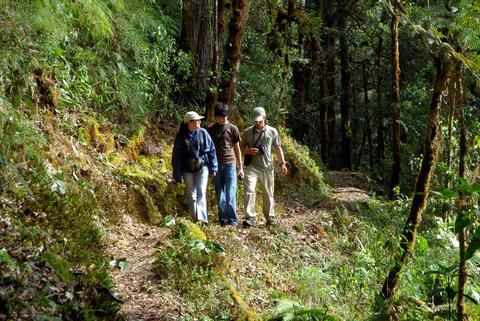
pixel 266 181
pixel 196 186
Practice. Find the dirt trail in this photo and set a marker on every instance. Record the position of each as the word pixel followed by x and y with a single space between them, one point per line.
pixel 143 297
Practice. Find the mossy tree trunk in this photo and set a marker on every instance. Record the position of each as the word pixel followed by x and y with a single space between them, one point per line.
pixel 430 152
pixel 233 51
pixel 397 166
pixel 462 267
pixel 345 82
pixel 219 26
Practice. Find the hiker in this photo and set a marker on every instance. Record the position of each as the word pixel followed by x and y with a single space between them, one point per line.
pixel 226 138
pixel 257 143
pixel 194 158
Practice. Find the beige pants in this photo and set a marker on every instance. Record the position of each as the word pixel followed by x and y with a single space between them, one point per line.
pixel 266 181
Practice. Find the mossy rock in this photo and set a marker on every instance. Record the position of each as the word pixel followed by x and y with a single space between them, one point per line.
pixel 189 229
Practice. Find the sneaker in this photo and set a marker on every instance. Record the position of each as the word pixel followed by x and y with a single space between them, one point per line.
pixel 248 223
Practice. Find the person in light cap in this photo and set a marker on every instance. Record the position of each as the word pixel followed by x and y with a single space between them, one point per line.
pixel 257 144
pixel 193 159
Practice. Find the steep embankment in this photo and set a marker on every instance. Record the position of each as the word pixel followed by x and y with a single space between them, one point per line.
pixel 258 266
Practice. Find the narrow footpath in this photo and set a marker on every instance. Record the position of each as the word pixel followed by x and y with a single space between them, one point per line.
pixel 135 243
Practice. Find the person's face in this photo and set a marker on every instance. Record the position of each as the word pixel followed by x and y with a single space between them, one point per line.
pixel 193 124
pixel 221 120
pixel 260 124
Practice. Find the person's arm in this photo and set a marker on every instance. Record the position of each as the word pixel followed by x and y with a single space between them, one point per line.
pixel 238 157
pixel 249 150
pixel 177 161
pixel 281 158
pixel 211 154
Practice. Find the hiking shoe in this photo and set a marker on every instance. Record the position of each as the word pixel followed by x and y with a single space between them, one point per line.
pixel 248 223
pixel 272 222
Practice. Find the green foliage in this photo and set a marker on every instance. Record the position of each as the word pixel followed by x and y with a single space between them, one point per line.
pixel 288 310
pixel 118 57
pixel 193 265
pixel 47 231
pixel 188 256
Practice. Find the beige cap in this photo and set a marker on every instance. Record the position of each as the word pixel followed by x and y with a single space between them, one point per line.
pixel 191 115
pixel 259 113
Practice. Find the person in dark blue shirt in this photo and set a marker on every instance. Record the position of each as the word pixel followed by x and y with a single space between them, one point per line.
pixel 194 159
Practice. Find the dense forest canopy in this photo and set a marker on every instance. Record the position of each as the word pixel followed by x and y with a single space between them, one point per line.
pixel 92 93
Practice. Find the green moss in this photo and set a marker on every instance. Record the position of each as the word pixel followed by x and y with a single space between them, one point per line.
pixel 96 135
pixel 189 229
pixel 304 174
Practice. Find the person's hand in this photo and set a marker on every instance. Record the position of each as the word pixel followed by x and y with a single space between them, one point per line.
pixel 284 168
pixel 213 174
pixel 252 151
pixel 240 174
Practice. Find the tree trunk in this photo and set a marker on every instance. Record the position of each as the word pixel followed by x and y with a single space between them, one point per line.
pixel 211 98
pixel 462 268
pixel 396 169
pixel 367 130
pixel 345 81
pixel 212 92
pixel 324 125
pixel 448 150
pixel 329 40
pixel 233 50
pixel 301 75
pixel 194 37
pixel 430 152
pixel 381 126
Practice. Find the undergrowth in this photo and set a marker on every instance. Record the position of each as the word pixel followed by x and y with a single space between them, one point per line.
pixel 51 267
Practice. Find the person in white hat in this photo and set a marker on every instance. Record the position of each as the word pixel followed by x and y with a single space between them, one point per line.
pixel 257 144
pixel 194 158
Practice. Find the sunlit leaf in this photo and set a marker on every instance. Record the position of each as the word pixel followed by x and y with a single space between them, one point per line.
pixel 422 244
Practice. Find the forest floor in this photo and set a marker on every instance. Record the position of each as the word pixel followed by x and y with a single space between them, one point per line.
pixel 144 297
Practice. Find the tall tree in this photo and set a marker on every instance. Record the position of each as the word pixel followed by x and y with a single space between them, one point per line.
pixel 381 125
pixel 219 26
pixel 462 268
pixel 345 82
pixel 422 187
pixel 397 166
pixel 233 50
pixel 329 40
pixel 194 37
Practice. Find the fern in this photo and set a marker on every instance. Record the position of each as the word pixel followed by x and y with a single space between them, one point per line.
pixel 93 17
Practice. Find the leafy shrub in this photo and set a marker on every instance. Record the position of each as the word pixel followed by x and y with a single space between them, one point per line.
pixel 188 257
